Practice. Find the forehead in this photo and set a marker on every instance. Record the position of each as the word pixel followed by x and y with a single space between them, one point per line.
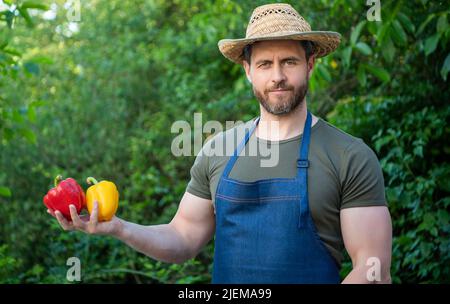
pixel 277 47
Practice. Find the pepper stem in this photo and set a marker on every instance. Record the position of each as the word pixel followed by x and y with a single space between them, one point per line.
pixel 90 180
pixel 58 179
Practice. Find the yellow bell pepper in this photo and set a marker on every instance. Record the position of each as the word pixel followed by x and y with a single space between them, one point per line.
pixel 107 196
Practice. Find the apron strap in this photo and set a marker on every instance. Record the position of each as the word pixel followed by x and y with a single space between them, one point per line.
pixel 302 173
pixel 303 153
pixel 238 150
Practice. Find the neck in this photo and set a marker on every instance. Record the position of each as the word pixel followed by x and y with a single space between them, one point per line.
pixel 280 127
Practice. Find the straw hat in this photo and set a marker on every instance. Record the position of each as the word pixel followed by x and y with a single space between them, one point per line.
pixel 279 21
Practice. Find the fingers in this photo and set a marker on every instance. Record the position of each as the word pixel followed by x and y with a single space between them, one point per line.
pixel 93 220
pixel 62 221
pixel 51 212
pixel 77 222
pixel 94 215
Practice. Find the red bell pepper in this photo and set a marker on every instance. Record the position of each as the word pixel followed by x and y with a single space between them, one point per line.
pixel 66 192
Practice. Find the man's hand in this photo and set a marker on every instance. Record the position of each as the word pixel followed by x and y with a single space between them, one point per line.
pixel 88 223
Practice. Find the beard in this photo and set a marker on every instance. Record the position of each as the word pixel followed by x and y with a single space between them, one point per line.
pixel 283 104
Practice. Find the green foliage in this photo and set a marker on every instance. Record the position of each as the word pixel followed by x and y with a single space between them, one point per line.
pixel 404 119
pixel 99 98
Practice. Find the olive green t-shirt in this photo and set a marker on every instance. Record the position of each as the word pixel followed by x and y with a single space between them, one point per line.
pixel 343 172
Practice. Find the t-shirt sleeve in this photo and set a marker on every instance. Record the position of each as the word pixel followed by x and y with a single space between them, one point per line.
pixel 362 177
pixel 199 182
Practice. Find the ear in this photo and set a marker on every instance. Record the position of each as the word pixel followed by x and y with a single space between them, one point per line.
pixel 247 70
pixel 311 63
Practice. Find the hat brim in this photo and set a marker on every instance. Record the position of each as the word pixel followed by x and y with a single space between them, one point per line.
pixel 325 42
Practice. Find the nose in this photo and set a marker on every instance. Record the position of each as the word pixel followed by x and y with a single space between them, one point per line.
pixel 278 74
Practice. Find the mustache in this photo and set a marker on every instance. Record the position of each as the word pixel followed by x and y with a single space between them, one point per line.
pixel 280 86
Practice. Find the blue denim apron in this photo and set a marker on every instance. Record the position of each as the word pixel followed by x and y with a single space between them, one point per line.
pixel 264 229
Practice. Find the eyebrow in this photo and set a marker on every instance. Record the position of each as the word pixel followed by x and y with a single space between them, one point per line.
pixel 294 58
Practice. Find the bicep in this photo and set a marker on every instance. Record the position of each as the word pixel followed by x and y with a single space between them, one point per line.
pixel 194 221
pixel 367 232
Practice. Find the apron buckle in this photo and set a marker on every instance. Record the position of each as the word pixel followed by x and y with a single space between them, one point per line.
pixel 302 163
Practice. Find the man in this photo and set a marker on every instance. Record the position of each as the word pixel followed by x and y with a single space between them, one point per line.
pixel 285 223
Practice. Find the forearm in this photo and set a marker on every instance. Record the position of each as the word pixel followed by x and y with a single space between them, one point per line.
pixel 361 274
pixel 160 242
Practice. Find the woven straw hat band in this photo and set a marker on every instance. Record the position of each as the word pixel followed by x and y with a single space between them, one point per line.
pixel 275 18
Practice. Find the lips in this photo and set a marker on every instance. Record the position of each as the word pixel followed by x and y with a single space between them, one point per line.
pixel 279 91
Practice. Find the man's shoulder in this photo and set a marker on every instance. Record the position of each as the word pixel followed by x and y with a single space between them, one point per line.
pixel 346 148
pixel 339 140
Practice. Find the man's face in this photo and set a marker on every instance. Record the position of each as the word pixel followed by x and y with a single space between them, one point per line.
pixel 279 73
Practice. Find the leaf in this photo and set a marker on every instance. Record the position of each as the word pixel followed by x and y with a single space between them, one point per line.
pixel 38 103
pixel 24 13
pixel 42 60
pixel 5 191
pixel 434 231
pixel 409 26
pixel 425 23
pixel 382 141
pixel 431 44
pixel 17 117
pixel 346 54
pixel 8 134
pixel 32 114
pixel 35 5
pixel 399 33
pixel 382 30
pixel 364 48
pixel 324 72
pixel 355 33
pixel 7 59
pixel 442 24
pixel 28 135
pixel 9 17
pixel 445 67
pixel 380 73
pixel 388 50
pixel 361 75
pixel 443 216
pixel 418 151
pixel 12 51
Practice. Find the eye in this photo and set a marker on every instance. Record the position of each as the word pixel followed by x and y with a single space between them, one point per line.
pixel 291 62
pixel 264 64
